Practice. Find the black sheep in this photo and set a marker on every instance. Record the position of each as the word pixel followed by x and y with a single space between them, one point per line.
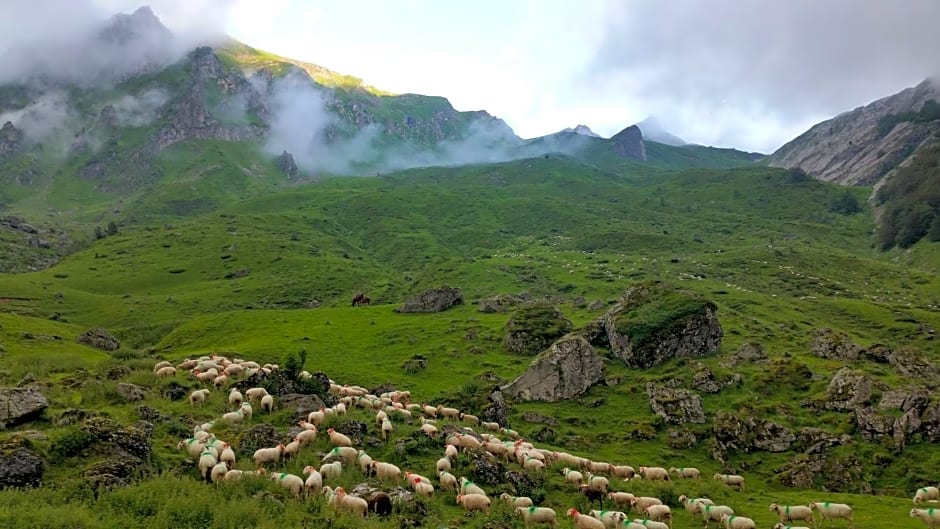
pixel 593 494
pixel 380 503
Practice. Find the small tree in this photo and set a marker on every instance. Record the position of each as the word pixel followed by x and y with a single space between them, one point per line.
pixel 294 364
pixel 112 228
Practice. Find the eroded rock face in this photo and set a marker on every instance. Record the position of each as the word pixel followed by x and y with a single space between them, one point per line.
pixel 629 143
pixel 434 300
pixel 131 392
pixel 18 405
pixel 748 353
pixel 737 433
pixel 824 472
pixel 834 345
pixel 497 411
pixel 10 139
pixel 99 338
pixel 20 467
pixel 285 163
pixel 675 406
pixel 532 329
pixel 567 369
pixel 848 390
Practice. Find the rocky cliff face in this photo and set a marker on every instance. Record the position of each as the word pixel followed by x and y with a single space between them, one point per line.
pixel 10 139
pixel 565 370
pixel 860 147
pixel 629 143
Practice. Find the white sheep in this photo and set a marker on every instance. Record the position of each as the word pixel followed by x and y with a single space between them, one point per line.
pixel 219 381
pixel 474 502
pixel 543 515
pixel 468 487
pixel 466 417
pixel 379 417
pixel 233 417
pixel 599 482
pixel 491 426
pixel 267 455
pixel 448 481
pixel 583 521
pixel 611 519
pixel 779 525
pixel 430 411
pixel 448 413
pixel 689 503
pixel 572 476
pixel 450 452
pixel 386 471
pixel 304 425
pixel 737 522
pixel 331 470
pixel 597 467
pixel 926 494
pixel 207 460
pixel 533 465
pixel 516 501
pixel 227 455
pixel 338 439
pixel 623 499
pixel 292 449
pixel 346 453
pixel 267 403
pixel 732 480
pixel 194 447
pixel 443 464
pixel 686 472
pixel 198 396
pixel 645 502
pixel 931 516
pixel 292 483
pixel 423 488
pixel 160 365
pixel 387 429
pixel 712 513
pixel 235 475
pixel 654 473
pixel 430 430
pixel 789 513
pixel 314 481
pixel 829 511
pixel 364 460
pixel 254 394
pixel 235 397
pixel 411 478
pixel 317 417
pixel 658 513
pixel 218 472
pixel 305 437
pixel 623 471
pixel 650 524
pixel 166 372
pixel 233 370
pixel 246 410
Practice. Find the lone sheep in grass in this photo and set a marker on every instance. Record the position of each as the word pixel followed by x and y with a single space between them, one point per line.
pixel 543 515
pixel 474 502
pixel 783 526
pixel 931 516
pixel 199 396
pixel 737 522
pixel 686 472
pixel 267 403
pixel 516 501
pixel 926 494
pixel 789 513
pixel 732 480
pixel 654 473
pixel 830 511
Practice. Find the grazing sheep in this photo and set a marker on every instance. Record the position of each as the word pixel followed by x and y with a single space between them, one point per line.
pixel 267 403
pixel 491 426
pixel 443 464
pixel 380 503
pixel 219 381
pixel 448 481
pixel 686 472
pixel 597 467
pixel 533 465
pixel 218 472
pixel 410 477
pixel 829 511
pixel 200 396
pixel 233 370
pixel 629 524
pixel 448 413
pixel 352 504
pixel 233 417
pixel 338 439
pixel 254 394
pixel 533 515
pixel 931 516
pixel 450 452
pixel 467 487
pixel 387 429
pixel 430 430
pixel 583 521
pixel 516 501
pixel 386 471
pixel 364 461
pixel 658 513
pixel 926 494
pixel 782 526
pixel 712 513
pixel 227 455
pixel 314 482
pixel 292 449
pixel 192 446
pixel 267 455
pixel 246 410
pixel 331 470
pixel 423 488
pixel 737 522
pixel 622 471
pixel 622 499
pixel 347 453
pixel 598 481
pixel 317 417
pixel 732 480
pixel 235 475
pixel 611 519
pixel 466 417
pixel 160 365
pixel 207 460
pixel 166 372
pixel 789 513
pixel 572 476
pixel 689 503
pixel 641 503
pixel 235 397
pixel 306 437
pixel 474 502
pixel 653 473
pixel 650 524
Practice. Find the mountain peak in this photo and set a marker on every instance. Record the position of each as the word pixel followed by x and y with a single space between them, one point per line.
pixel 653 130
pixel 583 130
pixel 141 25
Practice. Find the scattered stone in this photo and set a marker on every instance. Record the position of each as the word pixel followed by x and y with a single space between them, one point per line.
pixel 675 406
pixel 302 404
pixel 567 369
pixel 817 440
pixel 824 472
pixel 834 345
pixel 28 379
pixel 147 413
pixel 680 438
pixel 99 338
pixel 497 410
pixel 596 305
pixel 525 484
pixel 242 272
pixel 19 468
pixel 434 300
pixel 501 303
pixel 703 379
pixel 911 363
pixel 849 389
pixel 538 418
pixel 117 372
pixel 748 353
pixel 130 392
pixel 174 391
pixel 739 433
pixel 579 302
pixel 70 417
pixel 19 405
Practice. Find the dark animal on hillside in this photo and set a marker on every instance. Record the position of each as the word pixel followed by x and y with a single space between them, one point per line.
pixel 593 494
pixel 360 299
pixel 380 503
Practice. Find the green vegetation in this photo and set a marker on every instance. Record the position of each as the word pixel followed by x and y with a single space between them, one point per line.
pixel 910 202
pixel 653 310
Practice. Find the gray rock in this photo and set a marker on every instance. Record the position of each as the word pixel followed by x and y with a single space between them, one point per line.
pixel 497 410
pixel 10 139
pixel 99 338
pixel 745 433
pixel 834 345
pixel 596 305
pixel 848 390
pixel 18 405
pixel 500 303
pixel 680 438
pixel 824 472
pixel 301 404
pixel 911 363
pixel 258 436
pixel 703 379
pixel 906 399
pixel 285 163
pixel 531 329
pixel 130 392
pixel 538 418
pixel 817 440
pixel 675 406
pixel 20 467
pixel 567 369
pixel 629 143
pixel 748 353
pixel 434 300
pixel 486 469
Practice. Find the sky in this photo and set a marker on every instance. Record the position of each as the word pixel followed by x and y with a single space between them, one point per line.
pixel 746 74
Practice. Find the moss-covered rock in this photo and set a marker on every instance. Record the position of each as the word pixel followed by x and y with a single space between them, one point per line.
pixel 533 328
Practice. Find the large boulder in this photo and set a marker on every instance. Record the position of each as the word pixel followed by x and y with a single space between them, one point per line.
pixel 20 467
pixel 301 404
pixel 824 472
pixel 567 369
pixel 748 353
pixel 849 389
pixel 675 406
pixel 18 405
pixel 911 363
pixel 496 410
pixel 735 432
pixel 99 338
pixel 898 417
pixel 629 143
pixel 531 329
pixel 834 345
pixel 130 392
pixel 654 323
pixel 434 300
pixel 502 302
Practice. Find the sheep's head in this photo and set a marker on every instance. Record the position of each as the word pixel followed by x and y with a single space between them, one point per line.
pixel 280 447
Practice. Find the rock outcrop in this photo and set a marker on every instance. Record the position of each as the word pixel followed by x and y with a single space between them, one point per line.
pixel 502 302
pixel 18 405
pixel 861 146
pixel 748 353
pixel 848 390
pixel 20 467
pixel 285 163
pixel 567 369
pixel 434 300
pixel 735 432
pixel 629 143
pixel 131 392
pixel 531 329
pixel 10 139
pixel 704 379
pixel 653 324
pixel 675 406
pixel 99 338
pixel 834 345
pixel 824 472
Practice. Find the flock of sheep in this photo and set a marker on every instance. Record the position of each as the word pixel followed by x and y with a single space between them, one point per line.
pixel 216 459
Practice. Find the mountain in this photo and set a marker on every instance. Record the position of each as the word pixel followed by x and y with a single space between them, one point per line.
pixel 863 146
pixel 653 130
pixel 583 130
